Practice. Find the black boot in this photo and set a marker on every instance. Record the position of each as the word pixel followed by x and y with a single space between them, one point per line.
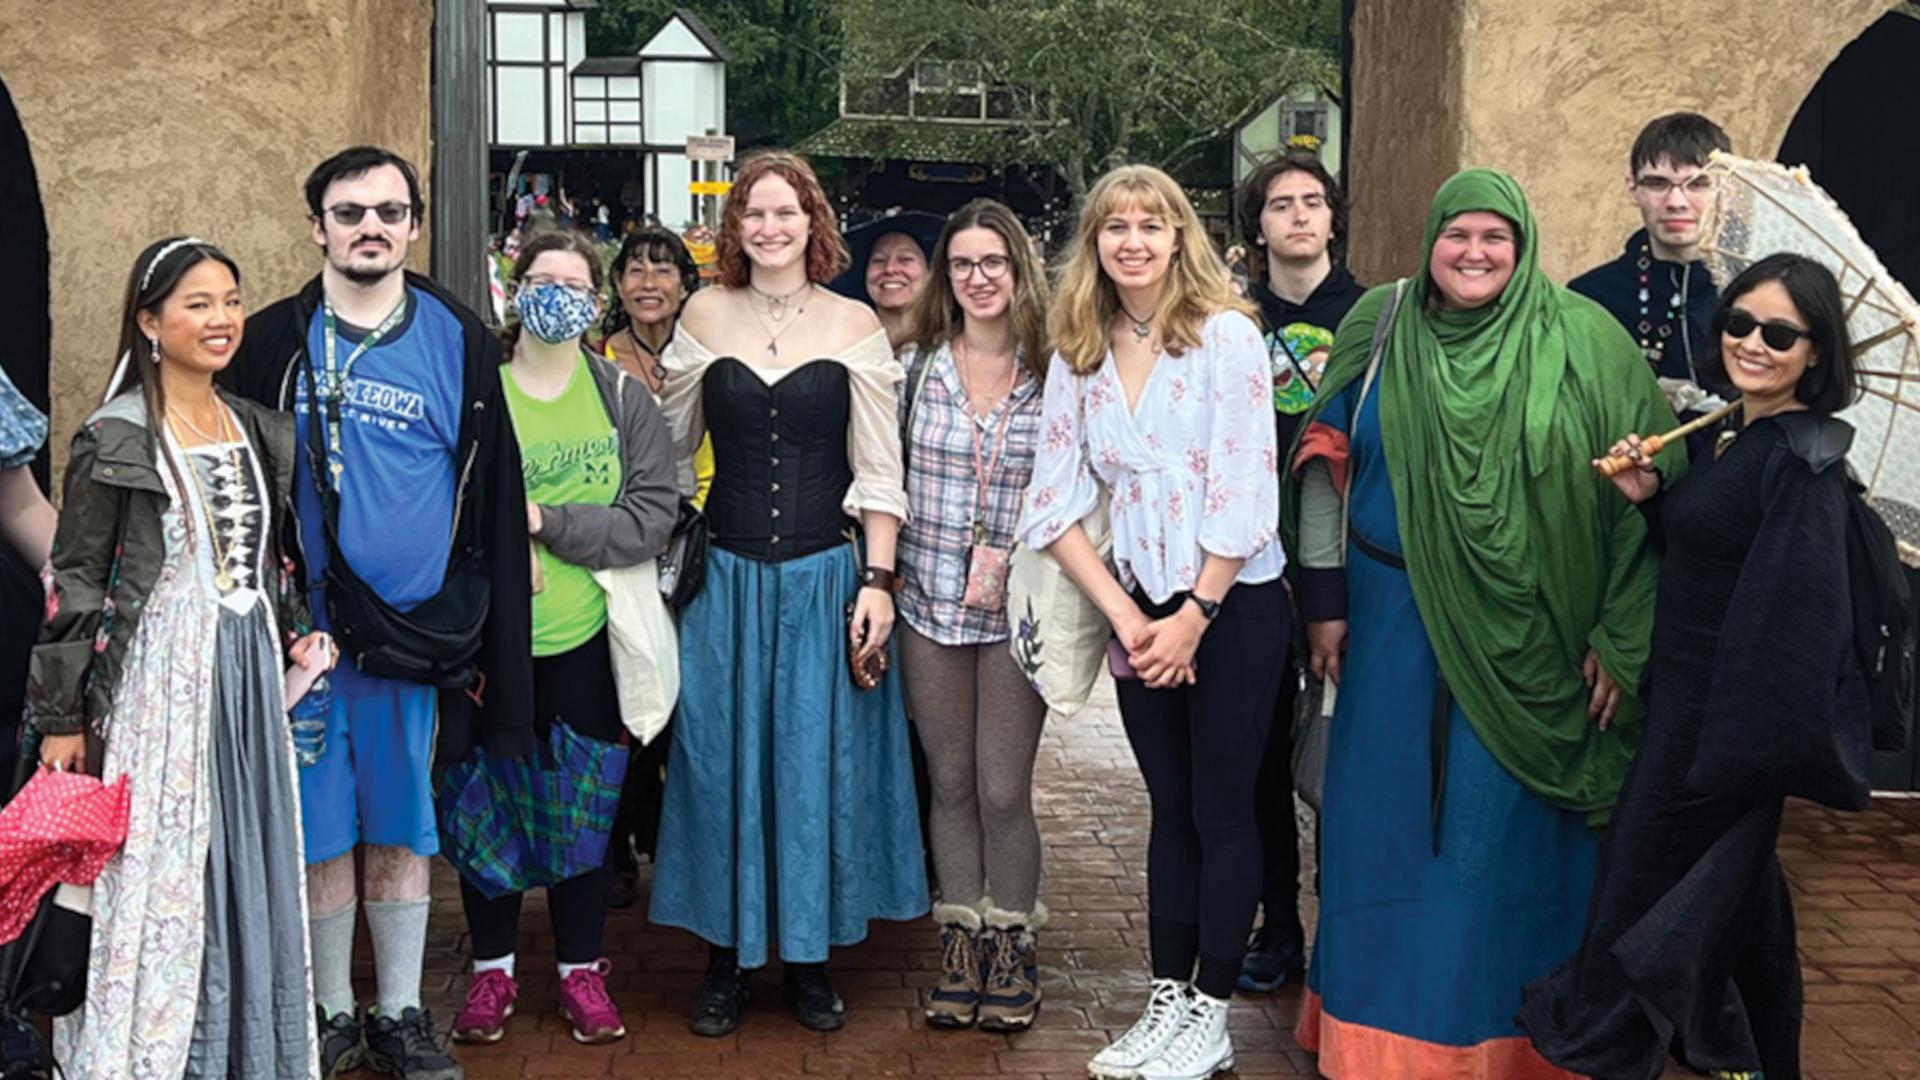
pixel 716 1011
pixel 815 1003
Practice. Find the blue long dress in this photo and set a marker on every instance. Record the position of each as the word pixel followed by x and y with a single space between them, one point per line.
pixel 1419 958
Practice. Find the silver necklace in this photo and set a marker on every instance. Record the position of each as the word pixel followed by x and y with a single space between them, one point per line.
pixel 1141 327
pixel 774 331
pixel 777 304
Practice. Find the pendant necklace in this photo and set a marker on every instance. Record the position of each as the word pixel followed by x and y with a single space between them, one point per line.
pixel 657 369
pixel 777 304
pixel 1141 327
pixel 774 332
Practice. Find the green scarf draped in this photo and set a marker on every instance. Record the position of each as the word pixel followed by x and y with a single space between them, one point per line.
pixel 1521 557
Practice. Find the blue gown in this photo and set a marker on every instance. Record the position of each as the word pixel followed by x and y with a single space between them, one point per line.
pixel 1419 958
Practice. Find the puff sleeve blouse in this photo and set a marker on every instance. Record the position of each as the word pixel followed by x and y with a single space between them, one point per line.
pixel 1192 470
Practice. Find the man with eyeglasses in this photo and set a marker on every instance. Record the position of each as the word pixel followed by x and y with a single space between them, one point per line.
pixel 412 539
pixel 1658 288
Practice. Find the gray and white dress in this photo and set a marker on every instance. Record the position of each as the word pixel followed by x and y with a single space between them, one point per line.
pixel 199 965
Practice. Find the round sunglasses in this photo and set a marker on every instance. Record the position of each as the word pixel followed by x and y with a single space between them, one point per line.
pixel 1778 336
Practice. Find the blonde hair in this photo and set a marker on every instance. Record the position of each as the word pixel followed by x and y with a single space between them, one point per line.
pixel 1198 284
pixel 936 317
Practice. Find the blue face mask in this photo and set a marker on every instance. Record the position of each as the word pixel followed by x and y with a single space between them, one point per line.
pixel 554 312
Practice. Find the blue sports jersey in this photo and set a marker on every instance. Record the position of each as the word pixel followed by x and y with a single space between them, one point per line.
pixel 399 431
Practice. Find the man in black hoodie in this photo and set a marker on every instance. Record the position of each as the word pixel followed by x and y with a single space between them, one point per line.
pixel 1658 288
pixel 410 500
pixel 1293 219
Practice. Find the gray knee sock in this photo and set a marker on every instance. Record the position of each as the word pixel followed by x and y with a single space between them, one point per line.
pixel 399 930
pixel 332 938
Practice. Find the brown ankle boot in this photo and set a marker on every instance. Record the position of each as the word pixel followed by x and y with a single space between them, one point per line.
pixel 954 1001
pixel 1010 992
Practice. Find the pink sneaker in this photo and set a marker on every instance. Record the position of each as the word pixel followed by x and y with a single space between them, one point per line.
pixel 483 1019
pixel 585 1004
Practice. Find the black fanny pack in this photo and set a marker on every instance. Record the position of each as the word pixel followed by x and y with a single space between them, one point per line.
pixel 438 641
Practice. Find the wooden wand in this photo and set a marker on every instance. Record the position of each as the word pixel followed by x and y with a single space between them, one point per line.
pixel 1615 464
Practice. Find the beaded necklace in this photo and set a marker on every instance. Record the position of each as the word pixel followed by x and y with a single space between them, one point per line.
pixel 1653 337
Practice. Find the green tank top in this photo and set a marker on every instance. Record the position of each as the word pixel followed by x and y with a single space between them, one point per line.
pixel 569 453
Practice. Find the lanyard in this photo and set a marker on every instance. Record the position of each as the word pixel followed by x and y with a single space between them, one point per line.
pixel 333 388
pixel 983 471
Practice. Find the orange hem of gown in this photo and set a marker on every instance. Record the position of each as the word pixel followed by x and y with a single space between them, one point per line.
pixel 1356 1052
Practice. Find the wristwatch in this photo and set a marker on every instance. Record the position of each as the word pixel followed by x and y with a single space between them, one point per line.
pixel 873 577
pixel 1209 608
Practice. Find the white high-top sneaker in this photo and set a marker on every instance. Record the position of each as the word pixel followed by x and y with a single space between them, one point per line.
pixel 1199 1048
pixel 1167 1006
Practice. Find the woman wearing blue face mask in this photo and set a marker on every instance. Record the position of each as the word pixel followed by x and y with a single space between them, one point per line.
pixel 600 494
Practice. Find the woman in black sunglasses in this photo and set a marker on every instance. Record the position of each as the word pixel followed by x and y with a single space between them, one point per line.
pixel 1756 693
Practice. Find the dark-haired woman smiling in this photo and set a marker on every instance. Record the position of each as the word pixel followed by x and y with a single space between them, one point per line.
pixel 1756 694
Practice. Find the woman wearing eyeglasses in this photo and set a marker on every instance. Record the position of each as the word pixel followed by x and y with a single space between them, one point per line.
pixel 1757 693
pixel 971 420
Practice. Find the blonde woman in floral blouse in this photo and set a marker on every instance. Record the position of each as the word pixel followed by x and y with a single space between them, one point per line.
pixel 970 420
pixel 1160 394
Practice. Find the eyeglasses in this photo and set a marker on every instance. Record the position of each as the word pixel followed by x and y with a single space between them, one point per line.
pixel 993 266
pixel 1700 184
pixel 391 213
pixel 1779 336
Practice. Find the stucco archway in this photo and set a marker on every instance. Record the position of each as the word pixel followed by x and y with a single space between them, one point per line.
pixel 1554 91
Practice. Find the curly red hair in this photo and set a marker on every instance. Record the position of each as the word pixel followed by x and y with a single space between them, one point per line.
pixel 826 251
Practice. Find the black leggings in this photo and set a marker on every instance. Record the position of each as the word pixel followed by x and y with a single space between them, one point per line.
pixel 1199 748
pixel 575 688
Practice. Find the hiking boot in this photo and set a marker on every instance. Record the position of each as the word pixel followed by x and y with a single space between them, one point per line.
pixel 585 1004
pixel 1199 1049
pixel 716 1011
pixel 407 1046
pixel 1167 1005
pixel 490 997
pixel 1274 954
pixel 1010 993
pixel 812 997
pixel 342 1047
pixel 954 1001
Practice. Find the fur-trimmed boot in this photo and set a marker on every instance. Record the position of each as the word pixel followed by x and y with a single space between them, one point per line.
pixel 954 1001
pixel 1010 978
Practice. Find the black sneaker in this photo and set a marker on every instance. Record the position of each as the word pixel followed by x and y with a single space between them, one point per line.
pixel 342 1049
pixel 814 1002
pixel 1272 956
pixel 409 1047
pixel 23 1054
pixel 716 1011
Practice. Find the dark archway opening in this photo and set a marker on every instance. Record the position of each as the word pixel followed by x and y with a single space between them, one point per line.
pixel 1856 133
pixel 25 313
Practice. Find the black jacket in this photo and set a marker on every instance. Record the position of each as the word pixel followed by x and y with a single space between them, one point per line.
pixel 492 518
pixel 1616 286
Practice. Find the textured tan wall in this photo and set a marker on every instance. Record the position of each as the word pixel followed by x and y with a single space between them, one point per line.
pixel 1553 91
pixel 151 117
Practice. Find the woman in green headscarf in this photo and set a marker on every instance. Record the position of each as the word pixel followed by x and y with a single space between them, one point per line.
pixel 1492 607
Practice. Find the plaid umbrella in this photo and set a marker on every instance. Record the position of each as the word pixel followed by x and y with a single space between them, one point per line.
pixel 510 825
pixel 61 826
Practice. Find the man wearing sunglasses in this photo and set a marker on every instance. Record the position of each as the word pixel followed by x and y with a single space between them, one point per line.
pixel 1658 288
pixel 406 480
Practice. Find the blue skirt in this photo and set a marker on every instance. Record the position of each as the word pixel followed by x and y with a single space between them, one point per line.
pixel 789 819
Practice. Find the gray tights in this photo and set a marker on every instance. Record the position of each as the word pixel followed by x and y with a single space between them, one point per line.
pixel 980 724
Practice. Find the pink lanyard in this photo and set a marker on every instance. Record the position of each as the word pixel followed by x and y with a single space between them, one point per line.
pixel 984 472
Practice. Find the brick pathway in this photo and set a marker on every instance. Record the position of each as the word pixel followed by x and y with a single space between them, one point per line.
pixel 1857 884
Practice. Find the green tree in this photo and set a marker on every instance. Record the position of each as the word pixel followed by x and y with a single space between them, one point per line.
pixel 783 78
pixel 1122 80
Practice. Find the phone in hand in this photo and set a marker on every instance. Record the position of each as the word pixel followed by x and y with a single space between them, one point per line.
pixel 1117 663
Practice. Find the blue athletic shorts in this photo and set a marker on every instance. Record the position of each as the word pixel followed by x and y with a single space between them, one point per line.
pixel 371 783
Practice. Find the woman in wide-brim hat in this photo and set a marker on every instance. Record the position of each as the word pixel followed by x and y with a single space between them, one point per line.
pixel 889 266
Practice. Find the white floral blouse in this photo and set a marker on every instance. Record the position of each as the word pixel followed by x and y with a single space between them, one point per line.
pixel 1192 471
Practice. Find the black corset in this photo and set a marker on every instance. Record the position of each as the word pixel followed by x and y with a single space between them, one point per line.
pixel 780 458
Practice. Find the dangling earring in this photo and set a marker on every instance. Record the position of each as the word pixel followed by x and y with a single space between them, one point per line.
pixel 155 355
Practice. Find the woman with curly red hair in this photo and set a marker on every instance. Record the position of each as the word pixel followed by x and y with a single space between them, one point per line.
pixel 789 819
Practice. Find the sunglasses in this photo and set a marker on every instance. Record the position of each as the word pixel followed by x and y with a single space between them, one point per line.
pixel 390 213
pixel 1779 336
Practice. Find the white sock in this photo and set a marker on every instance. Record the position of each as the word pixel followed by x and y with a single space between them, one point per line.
pixel 331 936
pixel 568 969
pixel 504 963
pixel 399 932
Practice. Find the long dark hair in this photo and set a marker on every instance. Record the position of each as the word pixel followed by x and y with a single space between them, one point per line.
pixel 155 275
pixel 654 244
pixel 1832 381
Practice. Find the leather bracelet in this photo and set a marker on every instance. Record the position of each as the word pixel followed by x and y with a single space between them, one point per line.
pixel 886 581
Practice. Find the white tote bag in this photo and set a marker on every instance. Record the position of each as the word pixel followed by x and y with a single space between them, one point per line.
pixel 645 647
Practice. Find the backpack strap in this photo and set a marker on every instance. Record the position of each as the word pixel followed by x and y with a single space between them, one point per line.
pixel 1820 441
